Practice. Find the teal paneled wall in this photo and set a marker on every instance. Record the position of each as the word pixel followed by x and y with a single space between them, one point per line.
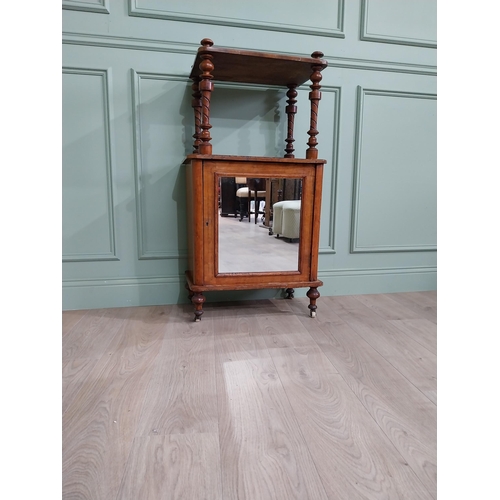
pixel 88 222
pixel 395 174
pixel 127 125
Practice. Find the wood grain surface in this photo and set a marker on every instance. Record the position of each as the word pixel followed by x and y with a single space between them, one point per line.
pixel 173 467
pixel 338 430
pixel 408 356
pixel 181 395
pixel 423 303
pixel 420 330
pixel 403 412
pixel 99 425
pixel 70 319
pixel 263 452
pixel 85 345
pixel 258 401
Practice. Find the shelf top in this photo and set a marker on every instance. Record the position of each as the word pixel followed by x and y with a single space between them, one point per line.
pixel 245 66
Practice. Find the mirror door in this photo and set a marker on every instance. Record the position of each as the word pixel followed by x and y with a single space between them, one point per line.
pixel 263 233
pixel 263 230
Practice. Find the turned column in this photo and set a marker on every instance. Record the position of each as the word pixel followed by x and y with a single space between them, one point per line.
pixel 314 97
pixel 291 110
pixel 206 87
pixel 196 104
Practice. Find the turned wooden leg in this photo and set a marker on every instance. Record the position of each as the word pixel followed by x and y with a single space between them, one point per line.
pixel 313 295
pixel 198 300
pixel 289 293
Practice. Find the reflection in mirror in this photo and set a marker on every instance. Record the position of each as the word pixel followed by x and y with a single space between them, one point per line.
pixel 259 224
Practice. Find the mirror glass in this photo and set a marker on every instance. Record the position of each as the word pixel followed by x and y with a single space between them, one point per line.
pixel 264 242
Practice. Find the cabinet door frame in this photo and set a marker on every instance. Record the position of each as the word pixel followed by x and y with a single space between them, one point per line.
pixel 212 171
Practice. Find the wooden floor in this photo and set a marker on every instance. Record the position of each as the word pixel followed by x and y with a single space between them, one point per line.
pixel 257 401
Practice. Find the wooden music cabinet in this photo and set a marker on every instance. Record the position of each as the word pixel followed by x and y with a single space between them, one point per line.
pixel 218 247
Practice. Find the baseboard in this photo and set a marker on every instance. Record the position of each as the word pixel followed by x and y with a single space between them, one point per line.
pixel 392 280
pixel 126 292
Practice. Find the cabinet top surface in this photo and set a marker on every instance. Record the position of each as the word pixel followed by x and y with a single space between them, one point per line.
pixel 254 159
pixel 244 66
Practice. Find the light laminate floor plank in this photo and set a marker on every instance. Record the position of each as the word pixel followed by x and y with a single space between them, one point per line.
pixel 353 456
pixel 409 357
pixel 258 401
pixel 88 326
pixel 422 303
pixel 85 342
pixel 285 331
pixel 85 346
pixel 75 372
pixel 406 416
pixel 263 453
pixel 173 467
pixel 99 425
pixel 420 330
pixel 432 395
pixel 386 307
pixel 70 319
pixel 181 396
pixel 422 299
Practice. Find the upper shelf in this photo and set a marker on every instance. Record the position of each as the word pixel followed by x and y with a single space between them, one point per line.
pixel 244 66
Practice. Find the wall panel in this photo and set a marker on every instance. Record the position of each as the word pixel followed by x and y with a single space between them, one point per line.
pixel 88 221
pixel 279 15
pixel 406 22
pixel 98 6
pixel 394 206
pixel 159 152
